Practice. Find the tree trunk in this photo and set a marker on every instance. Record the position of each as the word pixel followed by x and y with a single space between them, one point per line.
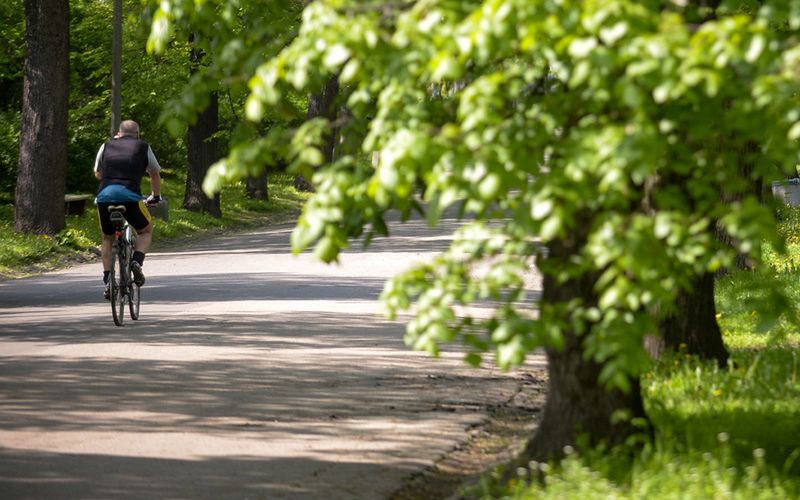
pixel 116 69
pixel 202 152
pixel 576 403
pixel 322 105
pixel 693 328
pixel 745 159
pixel 257 187
pixel 41 176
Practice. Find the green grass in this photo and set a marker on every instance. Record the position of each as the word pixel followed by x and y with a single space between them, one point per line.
pixel 22 255
pixel 720 433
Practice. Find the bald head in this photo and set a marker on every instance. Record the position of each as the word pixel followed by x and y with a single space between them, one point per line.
pixel 129 128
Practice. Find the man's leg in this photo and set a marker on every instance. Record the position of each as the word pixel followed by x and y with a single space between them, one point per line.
pixel 105 245
pixel 105 251
pixel 143 239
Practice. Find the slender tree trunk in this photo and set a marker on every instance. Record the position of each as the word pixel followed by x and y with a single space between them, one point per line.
pixel 576 403
pixel 745 159
pixel 41 176
pixel 257 187
pixel 202 152
pixel 694 328
pixel 322 105
pixel 116 69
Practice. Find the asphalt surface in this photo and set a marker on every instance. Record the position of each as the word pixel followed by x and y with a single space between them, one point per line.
pixel 252 373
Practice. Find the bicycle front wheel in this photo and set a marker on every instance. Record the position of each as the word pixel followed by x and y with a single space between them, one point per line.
pixel 133 298
pixel 117 289
pixel 132 289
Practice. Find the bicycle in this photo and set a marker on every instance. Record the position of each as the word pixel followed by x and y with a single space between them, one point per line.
pixel 122 288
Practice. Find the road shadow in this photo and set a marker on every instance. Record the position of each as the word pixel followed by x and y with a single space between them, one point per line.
pixel 57 292
pixel 205 398
pixel 122 478
pixel 260 386
pixel 410 236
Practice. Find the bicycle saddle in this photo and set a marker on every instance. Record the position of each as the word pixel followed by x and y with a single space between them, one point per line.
pixel 116 212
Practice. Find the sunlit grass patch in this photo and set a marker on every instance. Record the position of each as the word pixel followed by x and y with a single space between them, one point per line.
pixel 721 433
pixel 659 472
pixel 735 295
pixel 755 401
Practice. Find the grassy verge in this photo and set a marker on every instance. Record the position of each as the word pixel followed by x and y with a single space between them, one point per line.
pixel 721 433
pixel 22 255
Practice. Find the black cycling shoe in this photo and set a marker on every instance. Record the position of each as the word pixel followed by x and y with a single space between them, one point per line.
pixel 107 291
pixel 138 274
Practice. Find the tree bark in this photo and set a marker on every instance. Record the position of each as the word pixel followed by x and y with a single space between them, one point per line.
pixel 323 105
pixel 42 171
pixel 116 69
pixel 576 402
pixel 202 152
pixel 257 187
pixel 693 328
pixel 745 160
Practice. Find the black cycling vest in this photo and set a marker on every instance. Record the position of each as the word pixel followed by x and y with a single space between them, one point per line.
pixel 124 161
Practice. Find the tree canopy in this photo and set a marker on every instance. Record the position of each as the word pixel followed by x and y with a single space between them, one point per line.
pixel 617 119
pixel 600 138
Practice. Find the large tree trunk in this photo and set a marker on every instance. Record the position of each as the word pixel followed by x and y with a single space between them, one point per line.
pixel 202 152
pixel 322 105
pixel 576 402
pixel 577 405
pixel 41 177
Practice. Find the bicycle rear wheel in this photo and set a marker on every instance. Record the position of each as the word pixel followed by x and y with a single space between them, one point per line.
pixel 117 287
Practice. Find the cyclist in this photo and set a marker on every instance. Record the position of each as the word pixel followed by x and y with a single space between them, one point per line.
pixel 120 165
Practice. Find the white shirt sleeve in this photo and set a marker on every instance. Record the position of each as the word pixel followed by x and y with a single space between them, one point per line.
pixel 98 157
pixel 152 163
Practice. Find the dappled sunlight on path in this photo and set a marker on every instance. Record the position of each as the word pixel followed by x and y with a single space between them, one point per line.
pixel 249 374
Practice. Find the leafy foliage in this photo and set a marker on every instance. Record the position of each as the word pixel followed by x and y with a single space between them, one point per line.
pixel 12 54
pixel 9 152
pixel 615 120
pixel 234 38
pixel 147 84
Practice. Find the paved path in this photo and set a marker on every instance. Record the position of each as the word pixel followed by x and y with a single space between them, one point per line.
pixel 252 373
